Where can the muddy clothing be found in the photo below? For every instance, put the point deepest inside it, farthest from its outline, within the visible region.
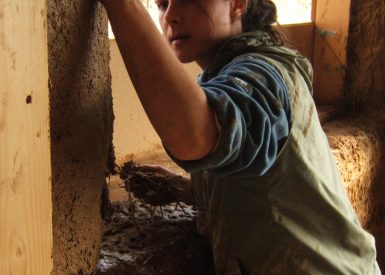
(270, 196)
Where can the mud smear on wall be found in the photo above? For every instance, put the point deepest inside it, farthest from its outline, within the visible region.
(81, 129)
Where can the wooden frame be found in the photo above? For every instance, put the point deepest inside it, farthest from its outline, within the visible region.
(25, 168)
(323, 42)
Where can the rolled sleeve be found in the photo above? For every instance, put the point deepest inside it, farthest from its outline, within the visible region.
(251, 103)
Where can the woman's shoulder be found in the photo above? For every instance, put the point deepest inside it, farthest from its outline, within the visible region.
(276, 62)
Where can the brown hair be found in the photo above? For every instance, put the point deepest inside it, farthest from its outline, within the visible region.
(261, 15)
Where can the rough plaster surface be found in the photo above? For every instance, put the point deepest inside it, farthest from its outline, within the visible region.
(365, 81)
(81, 129)
(358, 144)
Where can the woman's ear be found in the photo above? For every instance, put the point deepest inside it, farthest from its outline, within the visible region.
(238, 7)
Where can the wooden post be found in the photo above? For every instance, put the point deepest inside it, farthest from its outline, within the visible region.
(329, 60)
(25, 167)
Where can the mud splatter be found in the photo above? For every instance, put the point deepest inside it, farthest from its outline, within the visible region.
(309, 120)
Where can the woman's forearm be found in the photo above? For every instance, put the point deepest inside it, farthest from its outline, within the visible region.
(175, 104)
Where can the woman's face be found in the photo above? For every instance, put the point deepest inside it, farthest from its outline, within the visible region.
(195, 28)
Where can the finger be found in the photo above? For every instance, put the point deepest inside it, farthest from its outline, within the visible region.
(157, 168)
(150, 168)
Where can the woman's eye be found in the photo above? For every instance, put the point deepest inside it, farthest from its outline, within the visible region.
(162, 5)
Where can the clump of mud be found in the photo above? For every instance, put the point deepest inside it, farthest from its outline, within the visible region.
(153, 187)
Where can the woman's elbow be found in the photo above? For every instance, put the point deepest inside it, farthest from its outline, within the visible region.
(194, 149)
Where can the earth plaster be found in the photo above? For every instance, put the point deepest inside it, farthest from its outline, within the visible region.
(358, 144)
(365, 81)
(81, 129)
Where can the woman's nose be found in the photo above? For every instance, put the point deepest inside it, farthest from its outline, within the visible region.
(172, 14)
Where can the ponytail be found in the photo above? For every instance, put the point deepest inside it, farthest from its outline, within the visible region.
(260, 15)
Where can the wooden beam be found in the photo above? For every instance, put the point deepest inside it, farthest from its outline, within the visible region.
(25, 168)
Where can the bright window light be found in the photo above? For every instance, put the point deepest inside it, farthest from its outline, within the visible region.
(293, 11)
(289, 12)
(152, 10)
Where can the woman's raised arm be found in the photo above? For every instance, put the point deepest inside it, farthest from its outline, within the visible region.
(175, 104)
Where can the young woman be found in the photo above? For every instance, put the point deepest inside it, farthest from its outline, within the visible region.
(268, 192)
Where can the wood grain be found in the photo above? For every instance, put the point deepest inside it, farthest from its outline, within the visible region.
(300, 36)
(329, 60)
(25, 168)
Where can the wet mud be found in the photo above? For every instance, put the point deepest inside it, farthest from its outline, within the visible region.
(141, 239)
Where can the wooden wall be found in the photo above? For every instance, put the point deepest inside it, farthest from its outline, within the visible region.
(300, 37)
(25, 169)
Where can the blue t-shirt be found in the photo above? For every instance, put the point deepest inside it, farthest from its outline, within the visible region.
(252, 105)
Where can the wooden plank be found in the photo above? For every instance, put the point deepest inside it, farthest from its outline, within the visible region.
(25, 168)
(329, 60)
(301, 37)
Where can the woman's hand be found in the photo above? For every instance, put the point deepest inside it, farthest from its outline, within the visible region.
(183, 182)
